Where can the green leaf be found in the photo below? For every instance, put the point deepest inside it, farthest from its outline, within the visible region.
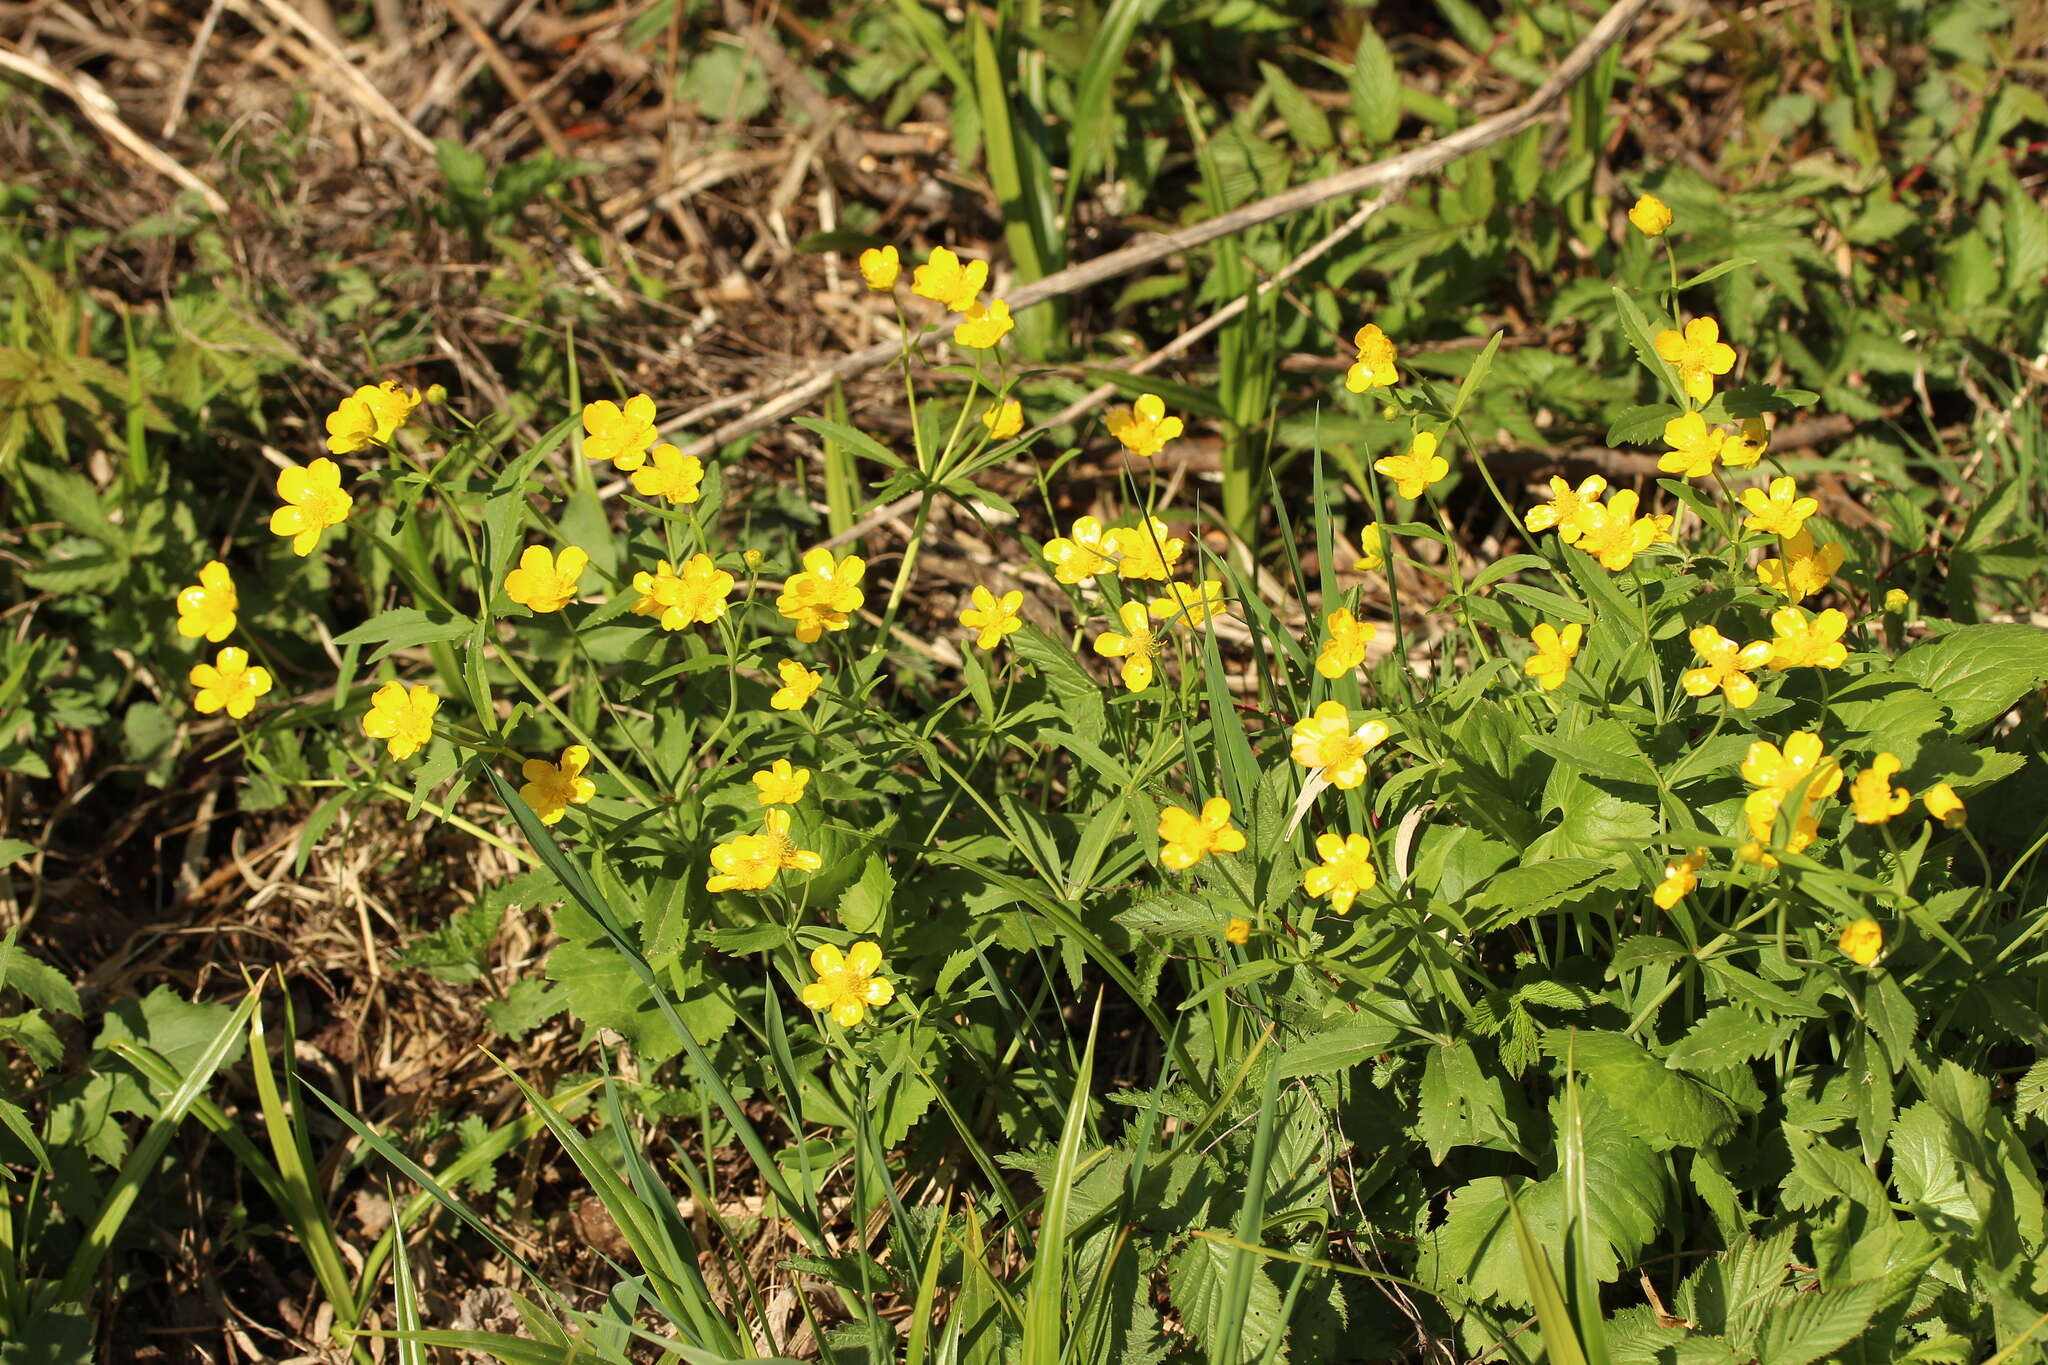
(1375, 87)
(1473, 377)
(73, 500)
(1642, 424)
(1815, 1324)
(1195, 1278)
(1979, 672)
(176, 1029)
(405, 627)
(39, 983)
(1725, 1036)
(1659, 1105)
(1534, 887)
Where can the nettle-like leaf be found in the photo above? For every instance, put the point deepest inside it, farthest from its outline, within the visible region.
(1657, 1104)
(1196, 1276)
(1978, 672)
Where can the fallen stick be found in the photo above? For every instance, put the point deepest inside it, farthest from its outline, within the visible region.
(778, 400)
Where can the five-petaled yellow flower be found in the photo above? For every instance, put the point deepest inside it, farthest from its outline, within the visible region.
(847, 985)
(1747, 446)
(1186, 838)
(621, 435)
(1781, 512)
(1807, 642)
(825, 595)
(403, 719)
(1374, 368)
(944, 279)
(551, 788)
(879, 266)
(1346, 869)
(1081, 554)
(1612, 533)
(1680, 878)
(1372, 549)
(313, 502)
(671, 475)
(749, 862)
(545, 581)
(1416, 468)
(984, 326)
(1143, 428)
(1728, 666)
(1566, 510)
(228, 684)
(1804, 571)
(1555, 650)
(1004, 419)
(371, 415)
(1344, 648)
(696, 596)
(1694, 447)
(799, 685)
(1944, 805)
(1190, 605)
(208, 607)
(1326, 744)
(1861, 941)
(1872, 794)
(1136, 645)
(780, 784)
(1776, 774)
(1698, 354)
(1143, 551)
(1651, 216)
(991, 616)
(1238, 932)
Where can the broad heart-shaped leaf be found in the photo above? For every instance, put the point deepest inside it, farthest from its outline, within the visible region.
(1657, 1104)
(1978, 672)
(1195, 1277)
(1474, 1247)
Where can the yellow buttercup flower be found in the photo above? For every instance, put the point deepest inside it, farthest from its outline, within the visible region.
(1613, 534)
(1777, 773)
(824, 596)
(1861, 941)
(944, 279)
(208, 607)
(1747, 446)
(313, 502)
(1372, 550)
(1345, 646)
(991, 616)
(1143, 428)
(1781, 512)
(983, 327)
(1143, 551)
(371, 415)
(1650, 216)
(545, 581)
(1872, 794)
(696, 596)
(1326, 744)
(799, 685)
(1694, 447)
(1944, 805)
(1346, 870)
(1374, 368)
(1698, 354)
(1416, 468)
(1004, 419)
(1680, 878)
(1186, 838)
(1238, 932)
(1804, 571)
(1136, 645)
(847, 986)
(403, 719)
(1555, 651)
(1082, 554)
(230, 683)
(1566, 510)
(749, 862)
(1189, 605)
(671, 475)
(1807, 642)
(879, 266)
(780, 784)
(621, 435)
(551, 788)
(1728, 666)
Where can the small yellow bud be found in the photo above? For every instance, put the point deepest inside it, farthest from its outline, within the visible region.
(1896, 600)
(1390, 412)
(1238, 931)
(1862, 941)
(1944, 805)
(753, 558)
(1651, 216)
(437, 394)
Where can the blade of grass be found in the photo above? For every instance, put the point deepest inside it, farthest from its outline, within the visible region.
(1045, 1297)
